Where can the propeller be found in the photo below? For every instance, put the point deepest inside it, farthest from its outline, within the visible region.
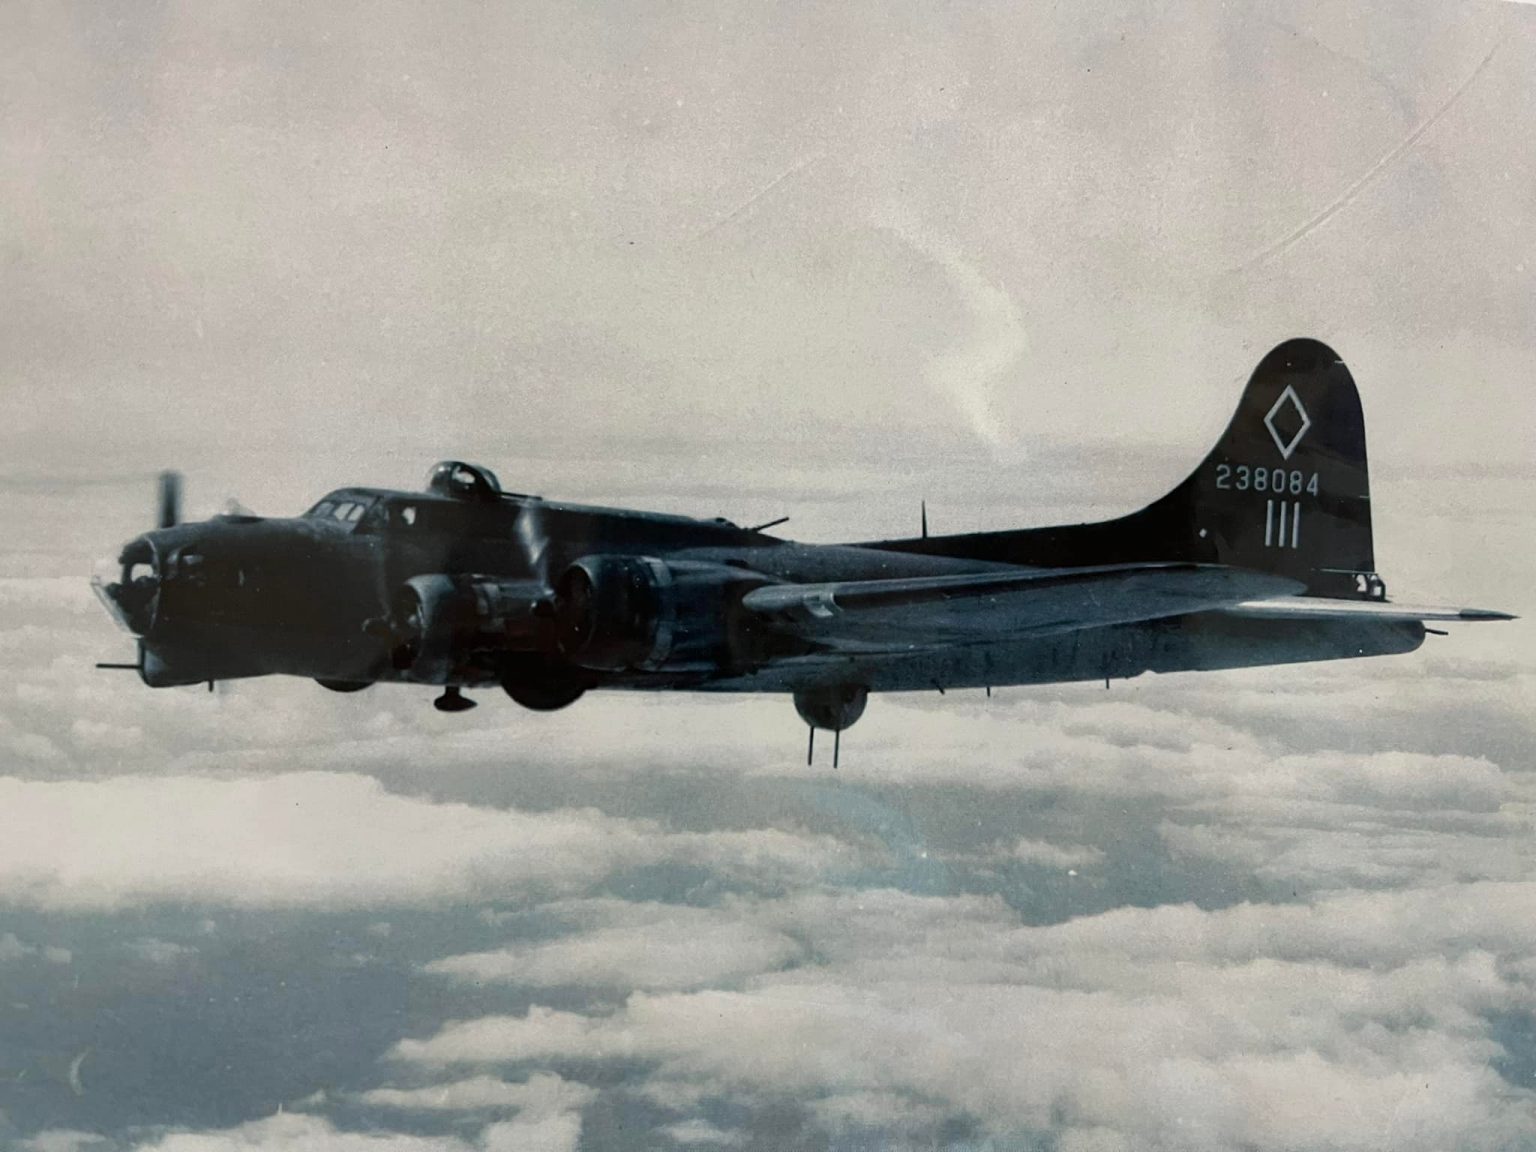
(553, 606)
(532, 535)
(169, 500)
(403, 628)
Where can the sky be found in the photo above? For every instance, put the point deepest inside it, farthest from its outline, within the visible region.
(816, 260)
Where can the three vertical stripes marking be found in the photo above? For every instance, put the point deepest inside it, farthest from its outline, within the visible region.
(1289, 509)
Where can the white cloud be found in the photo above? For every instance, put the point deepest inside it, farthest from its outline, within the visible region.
(62, 1140)
(35, 747)
(542, 1092)
(13, 949)
(1332, 848)
(673, 1095)
(974, 373)
(153, 950)
(1179, 740)
(1093, 1140)
(101, 736)
(548, 1109)
(698, 1131)
(1326, 1024)
(296, 1132)
(319, 839)
(552, 1132)
(505, 1039)
(872, 1111)
(32, 593)
(641, 946)
(1060, 857)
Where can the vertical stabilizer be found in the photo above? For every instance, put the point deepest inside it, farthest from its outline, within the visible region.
(1285, 491)
(1286, 488)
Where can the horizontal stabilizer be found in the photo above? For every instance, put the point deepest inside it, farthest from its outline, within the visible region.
(909, 613)
(1318, 608)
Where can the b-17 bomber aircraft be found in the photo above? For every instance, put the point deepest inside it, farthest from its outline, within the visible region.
(1262, 556)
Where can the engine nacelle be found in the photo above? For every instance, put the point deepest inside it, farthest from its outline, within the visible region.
(441, 623)
(623, 613)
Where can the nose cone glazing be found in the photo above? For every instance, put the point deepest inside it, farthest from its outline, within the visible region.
(129, 587)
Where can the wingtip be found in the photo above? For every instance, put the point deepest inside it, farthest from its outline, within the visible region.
(1485, 614)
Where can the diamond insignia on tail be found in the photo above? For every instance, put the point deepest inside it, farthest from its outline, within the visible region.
(1288, 445)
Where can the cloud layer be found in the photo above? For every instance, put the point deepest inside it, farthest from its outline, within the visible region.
(1334, 1024)
(329, 840)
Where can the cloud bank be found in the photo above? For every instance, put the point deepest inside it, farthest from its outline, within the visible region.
(1335, 1024)
(330, 840)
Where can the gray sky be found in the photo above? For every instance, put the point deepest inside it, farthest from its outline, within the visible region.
(536, 228)
(825, 260)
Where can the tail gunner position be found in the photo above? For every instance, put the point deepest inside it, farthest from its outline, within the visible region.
(1262, 556)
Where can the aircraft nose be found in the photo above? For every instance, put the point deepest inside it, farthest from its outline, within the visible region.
(129, 586)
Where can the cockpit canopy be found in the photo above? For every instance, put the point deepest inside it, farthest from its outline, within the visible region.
(462, 481)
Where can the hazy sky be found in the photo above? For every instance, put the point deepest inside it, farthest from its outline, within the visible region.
(825, 260)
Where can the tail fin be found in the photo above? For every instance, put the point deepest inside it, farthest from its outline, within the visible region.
(1286, 488)
(1284, 491)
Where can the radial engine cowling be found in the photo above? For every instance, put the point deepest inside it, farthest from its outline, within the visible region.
(440, 624)
(623, 613)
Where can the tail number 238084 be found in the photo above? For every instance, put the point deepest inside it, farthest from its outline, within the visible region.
(1244, 478)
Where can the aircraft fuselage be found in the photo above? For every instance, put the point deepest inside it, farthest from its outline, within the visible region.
(297, 596)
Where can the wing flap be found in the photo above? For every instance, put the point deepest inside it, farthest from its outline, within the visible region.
(908, 613)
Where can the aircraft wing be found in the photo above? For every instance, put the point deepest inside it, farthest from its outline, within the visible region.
(1320, 608)
(915, 612)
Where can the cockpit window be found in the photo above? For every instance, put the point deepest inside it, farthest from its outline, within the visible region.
(342, 507)
(379, 515)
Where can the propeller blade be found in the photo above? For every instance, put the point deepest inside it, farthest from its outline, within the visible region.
(535, 541)
(169, 500)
